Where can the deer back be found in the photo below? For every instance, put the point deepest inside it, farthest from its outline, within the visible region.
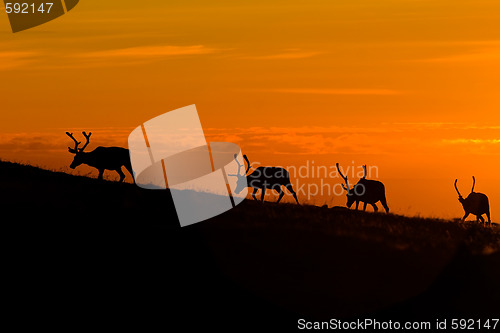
(268, 177)
(368, 190)
(476, 203)
(108, 157)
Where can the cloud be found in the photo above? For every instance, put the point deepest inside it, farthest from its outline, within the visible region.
(50, 149)
(474, 56)
(444, 126)
(58, 141)
(306, 140)
(11, 60)
(385, 138)
(285, 55)
(151, 51)
(27, 143)
(326, 91)
(473, 141)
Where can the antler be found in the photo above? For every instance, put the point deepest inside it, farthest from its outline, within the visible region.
(364, 169)
(344, 177)
(88, 140)
(456, 188)
(75, 150)
(473, 183)
(239, 166)
(248, 162)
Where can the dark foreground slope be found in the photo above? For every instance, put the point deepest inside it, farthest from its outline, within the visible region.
(83, 253)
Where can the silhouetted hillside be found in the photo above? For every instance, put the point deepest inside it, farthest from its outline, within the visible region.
(90, 251)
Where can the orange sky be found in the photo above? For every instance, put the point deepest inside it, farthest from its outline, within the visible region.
(409, 86)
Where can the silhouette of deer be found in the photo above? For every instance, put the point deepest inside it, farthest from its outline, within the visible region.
(366, 190)
(263, 178)
(101, 158)
(475, 203)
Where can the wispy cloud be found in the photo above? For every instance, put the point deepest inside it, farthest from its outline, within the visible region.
(473, 141)
(326, 91)
(386, 138)
(308, 140)
(57, 141)
(444, 126)
(285, 55)
(11, 60)
(480, 55)
(151, 51)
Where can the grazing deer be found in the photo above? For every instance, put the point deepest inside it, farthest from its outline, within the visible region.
(101, 158)
(475, 203)
(366, 190)
(263, 178)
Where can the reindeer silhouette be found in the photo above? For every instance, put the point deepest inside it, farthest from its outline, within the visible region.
(366, 190)
(263, 178)
(475, 203)
(101, 158)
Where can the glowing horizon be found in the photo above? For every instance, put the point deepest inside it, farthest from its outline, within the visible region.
(410, 87)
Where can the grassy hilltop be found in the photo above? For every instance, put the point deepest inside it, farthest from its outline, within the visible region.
(104, 250)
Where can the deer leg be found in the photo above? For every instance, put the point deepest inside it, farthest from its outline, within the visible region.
(255, 189)
(357, 204)
(101, 173)
(489, 219)
(375, 208)
(480, 219)
(384, 203)
(122, 175)
(263, 194)
(364, 206)
(290, 188)
(128, 166)
(465, 216)
(280, 192)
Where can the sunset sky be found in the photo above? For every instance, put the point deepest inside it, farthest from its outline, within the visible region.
(409, 86)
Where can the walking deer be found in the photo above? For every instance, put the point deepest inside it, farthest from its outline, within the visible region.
(475, 203)
(263, 178)
(366, 190)
(101, 158)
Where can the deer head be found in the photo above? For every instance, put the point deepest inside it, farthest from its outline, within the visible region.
(241, 182)
(78, 151)
(351, 192)
(460, 198)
